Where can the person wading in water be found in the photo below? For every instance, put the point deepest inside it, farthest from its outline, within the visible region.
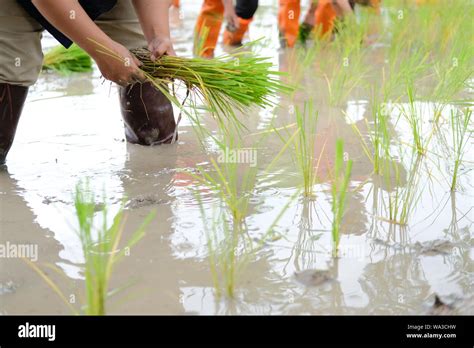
(118, 25)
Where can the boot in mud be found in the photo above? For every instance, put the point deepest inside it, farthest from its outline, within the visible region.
(147, 114)
(12, 99)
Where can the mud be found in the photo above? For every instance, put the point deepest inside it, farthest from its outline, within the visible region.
(382, 268)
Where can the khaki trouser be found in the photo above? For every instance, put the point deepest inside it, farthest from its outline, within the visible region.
(21, 55)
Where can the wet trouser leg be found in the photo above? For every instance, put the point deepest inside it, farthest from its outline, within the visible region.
(147, 114)
(20, 64)
(307, 26)
(325, 17)
(208, 27)
(12, 99)
(245, 10)
(288, 20)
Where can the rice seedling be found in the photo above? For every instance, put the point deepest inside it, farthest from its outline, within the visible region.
(410, 113)
(348, 69)
(378, 148)
(101, 252)
(233, 179)
(404, 68)
(460, 123)
(402, 197)
(102, 249)
(230, 247)
(302, 144)
(415, 121)
(67, 61)
(453, 71)
(339, 187)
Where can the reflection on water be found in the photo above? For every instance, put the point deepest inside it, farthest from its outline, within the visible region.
(71, 129)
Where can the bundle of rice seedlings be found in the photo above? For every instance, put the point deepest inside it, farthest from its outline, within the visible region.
(229, 83)
(67, 61)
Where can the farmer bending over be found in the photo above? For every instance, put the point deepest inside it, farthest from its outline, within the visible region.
(120, 25)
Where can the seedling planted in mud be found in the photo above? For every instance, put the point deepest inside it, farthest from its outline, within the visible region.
(379, 136)
(230, 247)
(340, 185)
(420, 137)
(402, 197)
(233, 183)
(302, 144)
(460, 123)
(102, 249)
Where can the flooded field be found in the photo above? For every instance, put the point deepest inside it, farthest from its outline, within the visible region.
(404, 237)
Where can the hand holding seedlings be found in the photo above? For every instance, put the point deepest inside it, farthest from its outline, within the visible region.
(159, 47)
(230, 16)
(117, 64)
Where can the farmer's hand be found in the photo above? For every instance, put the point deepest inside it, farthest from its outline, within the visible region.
(160, 47)
(119, 65)
(231, 18)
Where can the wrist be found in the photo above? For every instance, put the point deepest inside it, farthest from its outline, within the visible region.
(160, 37)
(97, 48)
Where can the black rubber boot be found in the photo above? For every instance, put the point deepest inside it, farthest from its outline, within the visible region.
(12, 99)
(147, 114)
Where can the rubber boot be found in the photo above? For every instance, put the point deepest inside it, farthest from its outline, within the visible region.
(147, 114)
(12, 99)
(288, 20)
(208, 27)
(234, 38)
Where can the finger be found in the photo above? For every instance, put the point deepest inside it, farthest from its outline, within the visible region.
(137, 61)
(171, 52)
(139, 76)
(160, 52)
(153, 54)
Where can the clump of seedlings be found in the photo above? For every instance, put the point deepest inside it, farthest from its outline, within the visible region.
(377, 151)
(453, 70)
(67, 61)
(415, 121)
(102, 248)
(402, 196)
(230, 247)
(339, 187)
(348, 67)
(303, 146)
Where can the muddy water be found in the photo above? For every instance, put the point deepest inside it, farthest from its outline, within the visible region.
(382, 268)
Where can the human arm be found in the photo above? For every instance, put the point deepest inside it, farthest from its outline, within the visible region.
(154, 19)
(69, 17)
(342, 7)
(230, 15)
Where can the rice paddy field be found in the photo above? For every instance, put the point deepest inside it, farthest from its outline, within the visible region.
(350, 193)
